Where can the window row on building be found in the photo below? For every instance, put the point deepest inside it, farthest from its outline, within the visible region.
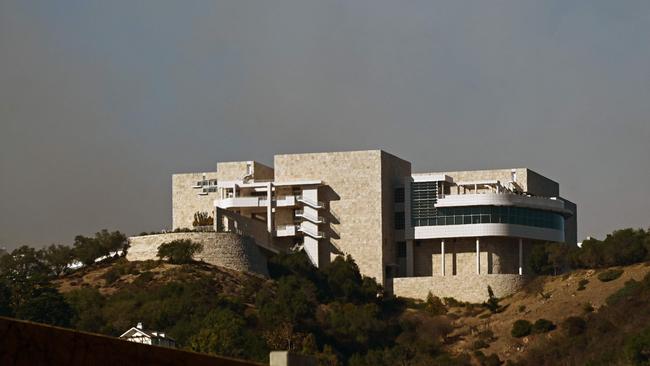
(493, 215)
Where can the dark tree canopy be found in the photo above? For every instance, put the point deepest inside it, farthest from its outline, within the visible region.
(179, 251)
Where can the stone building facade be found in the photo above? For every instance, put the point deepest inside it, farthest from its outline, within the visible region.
(411, 232)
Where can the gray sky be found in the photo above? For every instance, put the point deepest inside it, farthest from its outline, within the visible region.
(100, 102)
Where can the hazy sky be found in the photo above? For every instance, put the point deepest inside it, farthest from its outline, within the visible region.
(100, 102)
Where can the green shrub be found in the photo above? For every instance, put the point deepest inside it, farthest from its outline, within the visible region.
(111, 276)
(452, 302)
(631, 287)
(543, 326)
(486, 334)
(492, 303)
(434, 306)
(179, 251)
(574, 326)
(521, 328)
(478, 344)
(637, 348)
(610, 275)
(521, 308)
(582, 284)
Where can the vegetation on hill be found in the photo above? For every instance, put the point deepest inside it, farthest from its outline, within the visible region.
(337, 314)
(620, 248)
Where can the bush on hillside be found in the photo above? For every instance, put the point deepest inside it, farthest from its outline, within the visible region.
(434, 305)
(574, 326)
(492, 303)
(610, 275)
(179, 251)
(637, 348)
(543, 326)
(582, 284)
(521, 328)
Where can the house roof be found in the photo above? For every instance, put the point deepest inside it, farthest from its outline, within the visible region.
(137, 332)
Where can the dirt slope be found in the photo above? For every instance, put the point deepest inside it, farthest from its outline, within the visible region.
(554, 298)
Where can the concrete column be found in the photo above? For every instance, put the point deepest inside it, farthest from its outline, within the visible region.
(269, 207)
(521, 257)
(442, 257)
(478, 256)
(409, 259)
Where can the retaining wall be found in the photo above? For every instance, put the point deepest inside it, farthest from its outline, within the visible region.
(470, 288)
(227, 250)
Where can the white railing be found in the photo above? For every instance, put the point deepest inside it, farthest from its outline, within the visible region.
(314, 219)
(313, 233)
(310, 202)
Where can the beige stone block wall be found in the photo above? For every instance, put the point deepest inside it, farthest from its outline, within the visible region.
(394, 171)
(220, 249)
(527, 179)
(353, 193)
(498, 255)
(470, 288)
(186, 201)
(236, 170)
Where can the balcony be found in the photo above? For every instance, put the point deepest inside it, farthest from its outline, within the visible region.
(313, 233)
(308, 217)
(285, 230)
(310, 202)
(241, 202)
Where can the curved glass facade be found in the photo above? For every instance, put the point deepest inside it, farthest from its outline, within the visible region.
(497, 215)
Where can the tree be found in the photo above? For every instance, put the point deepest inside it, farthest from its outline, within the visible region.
(23, 272)
(87, 304)
(5, 300)
(225, 334)
(58, 257)
(179, 251)
(294, 300)
(346, 283)
(88, 249)
(46, 305)
(202, 219)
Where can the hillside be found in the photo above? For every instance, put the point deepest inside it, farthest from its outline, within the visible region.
(465, 328)
(554, 298)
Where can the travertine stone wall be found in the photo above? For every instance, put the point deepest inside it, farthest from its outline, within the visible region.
(220, 249)
(498, 255)
(353, 194)
(470, 288)
(527, 179)
(236, 170)
(393, 173)
(186, 201)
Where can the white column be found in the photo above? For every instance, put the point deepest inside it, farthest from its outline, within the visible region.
(478, 256)
(409, 258)
(521, 270)
(442, 257)
(269, 207)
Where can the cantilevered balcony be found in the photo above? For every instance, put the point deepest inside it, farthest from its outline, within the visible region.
(311, 232)
(310, 217)
(310, 202)
(242, 202)
(286, 230)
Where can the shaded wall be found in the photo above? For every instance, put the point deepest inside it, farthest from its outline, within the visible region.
(26, 343)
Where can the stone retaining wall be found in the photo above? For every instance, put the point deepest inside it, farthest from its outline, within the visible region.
(470, 288)
(227, 250)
